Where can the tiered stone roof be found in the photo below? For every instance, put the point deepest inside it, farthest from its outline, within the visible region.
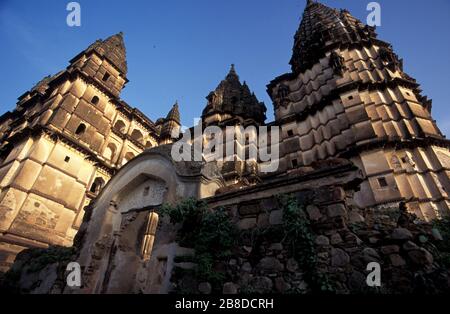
(236, 99)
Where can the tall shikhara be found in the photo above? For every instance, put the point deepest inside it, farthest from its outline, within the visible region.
(348, 96)
(63, 142)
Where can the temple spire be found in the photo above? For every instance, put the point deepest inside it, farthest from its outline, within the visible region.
(113, 48)
(174, 113)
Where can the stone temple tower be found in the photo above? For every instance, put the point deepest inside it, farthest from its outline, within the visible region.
(65, 139)
(348, 96)
(236, 111)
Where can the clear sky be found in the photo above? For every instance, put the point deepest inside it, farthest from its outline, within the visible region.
(181, 49)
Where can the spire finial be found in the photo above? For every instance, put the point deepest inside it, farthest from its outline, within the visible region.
(232, 70)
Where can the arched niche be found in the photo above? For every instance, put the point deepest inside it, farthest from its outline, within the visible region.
(137, 136)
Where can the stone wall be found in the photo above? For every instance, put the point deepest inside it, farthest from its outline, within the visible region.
(342, 242)
(299, 234)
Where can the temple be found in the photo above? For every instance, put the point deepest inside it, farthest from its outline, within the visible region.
(357, 137)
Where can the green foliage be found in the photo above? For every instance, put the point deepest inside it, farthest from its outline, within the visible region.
(211, 233)
(443, 225)
(55, 254)
(299, 239)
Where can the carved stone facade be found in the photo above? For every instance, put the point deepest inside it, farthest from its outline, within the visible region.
(61, 145)
(347, 96)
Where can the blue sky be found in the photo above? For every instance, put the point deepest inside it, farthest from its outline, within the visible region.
(181, 49)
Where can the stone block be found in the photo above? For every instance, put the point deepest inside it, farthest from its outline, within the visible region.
(205, 288)
(397, 260)
(247, 223)
(339, 258)
(249, 209)
(336, 210)
(313, 212)
(270, 264)
(230, 288)
(401, 234)
(276, 217)
(261, 285)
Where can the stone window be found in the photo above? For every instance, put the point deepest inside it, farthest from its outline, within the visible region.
(110, 151)
(67, 159)
(294, 163)
(129, 156)
(106, 77)
(383, 182)
(120, 126)
(95, 100)
(97, 185)
(290, 133)
(81, 129)
(137, 136)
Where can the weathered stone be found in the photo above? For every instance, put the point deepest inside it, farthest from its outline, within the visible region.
(232, 262)
(339, 258)
(357, 282)
(247, 267)
(335, 239)
(410, 246)
(269, 204)
(322, 240)
(421, 257)
(280, 285)
(314, 212)
(390, 249)
(336, 210)
(270, 264)
(247, 223)
(396, 260)
(292, 265)
(276, 247)
(355, 217)
(185, 266)
(370, 255)
(263, 220)
(261, 284)
(401, 234)
(276, 217)
(205, 288)
(249, 209)
(230, 288)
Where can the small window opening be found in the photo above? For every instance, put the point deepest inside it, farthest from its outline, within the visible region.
(81, 129)
(290, 133)
(106, 77)
(95, 100)
(295, 163)
(67, 159)
(382, 182)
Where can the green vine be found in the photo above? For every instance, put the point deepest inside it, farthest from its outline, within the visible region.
(299, 239)
(443, 225)
(210, 233)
